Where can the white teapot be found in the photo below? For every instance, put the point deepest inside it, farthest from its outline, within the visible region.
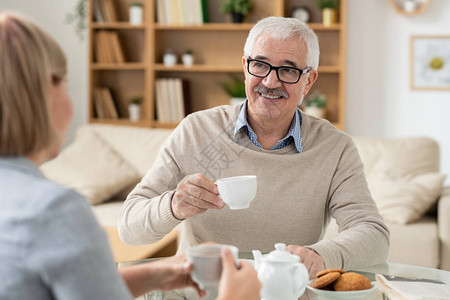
(281, 273)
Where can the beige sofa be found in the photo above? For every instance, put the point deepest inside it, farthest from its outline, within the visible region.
(104, 162)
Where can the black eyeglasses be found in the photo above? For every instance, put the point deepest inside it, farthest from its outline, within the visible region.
(261, 69)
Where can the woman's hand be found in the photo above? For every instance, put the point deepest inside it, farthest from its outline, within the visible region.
(237, 284)
(164, 274)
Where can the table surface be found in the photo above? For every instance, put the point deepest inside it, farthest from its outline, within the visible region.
(389, 268)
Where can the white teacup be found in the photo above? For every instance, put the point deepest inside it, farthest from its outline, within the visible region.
(237, 191)
(208, 264)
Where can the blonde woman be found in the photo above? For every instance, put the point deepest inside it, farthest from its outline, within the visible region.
(51, 246)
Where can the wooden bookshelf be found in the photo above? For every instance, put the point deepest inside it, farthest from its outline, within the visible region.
(217, 47)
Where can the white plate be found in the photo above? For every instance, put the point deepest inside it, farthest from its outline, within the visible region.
(340, 295)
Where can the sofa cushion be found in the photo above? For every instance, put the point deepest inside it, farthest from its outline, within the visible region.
(402, 174)
(402, 197)
(92, 167)
(416, 243)
(414, 155)
(421, 237)
(139, 147)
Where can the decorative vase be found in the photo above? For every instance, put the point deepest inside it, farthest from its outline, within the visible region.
(188, 59)
(136, 14)
(169, 59)
(134, 112)
(409, 5)
(237, 17)
(329, 16)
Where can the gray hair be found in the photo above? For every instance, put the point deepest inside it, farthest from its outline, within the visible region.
(282, 29)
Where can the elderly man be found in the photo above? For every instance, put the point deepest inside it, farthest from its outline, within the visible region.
(308, 171)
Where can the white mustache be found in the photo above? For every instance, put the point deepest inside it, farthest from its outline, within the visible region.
(266, 90)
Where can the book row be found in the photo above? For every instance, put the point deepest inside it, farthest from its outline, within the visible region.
(108, 48)
(105, 106)
(105, 11)
(172, 99)
(181, 12)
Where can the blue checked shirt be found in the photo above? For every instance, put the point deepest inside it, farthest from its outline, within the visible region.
(293, 134)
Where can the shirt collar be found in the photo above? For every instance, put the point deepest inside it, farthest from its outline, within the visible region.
(22, 163)
(294, 129)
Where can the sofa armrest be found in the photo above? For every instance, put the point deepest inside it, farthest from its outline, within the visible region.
(444, 227)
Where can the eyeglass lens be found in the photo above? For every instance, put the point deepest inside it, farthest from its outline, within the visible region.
(262, 69)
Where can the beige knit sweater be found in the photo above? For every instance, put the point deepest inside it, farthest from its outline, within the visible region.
(297, 192)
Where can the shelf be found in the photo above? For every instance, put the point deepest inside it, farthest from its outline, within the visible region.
(217, 47)
(123, 122)
(165, 125)
(208, 26)
(116, 66)
(116, 25)
(222, 68)
(199, 68)
(234, 27)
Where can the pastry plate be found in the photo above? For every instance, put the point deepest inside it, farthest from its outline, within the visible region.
(340, 295)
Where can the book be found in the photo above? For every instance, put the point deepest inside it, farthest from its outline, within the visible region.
(160, 12)
(164, 99)
(99, 104)
(98, 51)
(403, 288)
(205, 16)
(186, 98)
(109, 103)
(105, 46)
(171, 103)
(197, 10)
(98, 13)
(179, 103)
(160, 99)
(110, 9)
(116, 47)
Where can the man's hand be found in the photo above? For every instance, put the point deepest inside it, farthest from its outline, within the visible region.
(312, 261)
(194, 195)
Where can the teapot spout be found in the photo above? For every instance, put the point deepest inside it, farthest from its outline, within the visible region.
(257, 255)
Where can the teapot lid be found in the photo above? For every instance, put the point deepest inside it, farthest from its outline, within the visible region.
(280, 254)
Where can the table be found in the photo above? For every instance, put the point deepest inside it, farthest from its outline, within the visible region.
(167, 246)
(389, 268)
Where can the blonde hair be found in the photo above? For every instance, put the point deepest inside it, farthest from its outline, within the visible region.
(30, 60)
(282, 29)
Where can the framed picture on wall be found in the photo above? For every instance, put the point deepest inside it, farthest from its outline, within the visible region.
(430, 62)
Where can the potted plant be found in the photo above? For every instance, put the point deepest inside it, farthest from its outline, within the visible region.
(188, 58)
(78, 17)
(235, 88)
(136, 13)
(329, 10)
(134, 108)
(237, 8)
(315, 104)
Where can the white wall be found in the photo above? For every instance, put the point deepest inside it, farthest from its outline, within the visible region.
(379, 99)
(50, 15)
